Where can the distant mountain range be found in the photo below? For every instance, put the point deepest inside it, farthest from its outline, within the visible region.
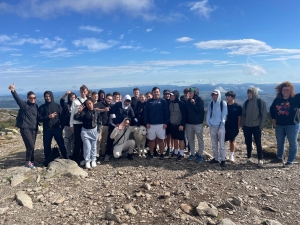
(266, 92)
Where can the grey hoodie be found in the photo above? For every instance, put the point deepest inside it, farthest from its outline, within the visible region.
(250, 118)
(218, 117)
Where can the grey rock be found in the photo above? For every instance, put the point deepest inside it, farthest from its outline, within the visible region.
(227, 204)
(186, 208)
(3, 210)
(111, 216)
(203, 209)
(226, 222)
(272, 222)
(65, 166)
(237, 201)
(24, 200)
(253, 210)
(17, 179)
(59, 201)
(130, 209)
(147, 186)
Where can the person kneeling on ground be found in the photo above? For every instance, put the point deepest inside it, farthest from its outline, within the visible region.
(122, 143)
(91, 119)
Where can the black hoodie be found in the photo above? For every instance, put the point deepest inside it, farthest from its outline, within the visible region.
(66, 107)
(177, 110)
(99, 94)
(28, 114)
(139, 111)
(195, 111)
(48, 108)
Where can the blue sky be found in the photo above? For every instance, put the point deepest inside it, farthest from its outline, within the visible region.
(62, 44)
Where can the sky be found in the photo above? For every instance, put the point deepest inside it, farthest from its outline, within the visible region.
(62, 44)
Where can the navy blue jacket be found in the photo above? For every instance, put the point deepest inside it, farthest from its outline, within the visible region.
(156, 112)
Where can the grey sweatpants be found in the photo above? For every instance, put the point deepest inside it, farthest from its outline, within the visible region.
(192, 130)
(217, 136)
(89, 138)
(69, 140)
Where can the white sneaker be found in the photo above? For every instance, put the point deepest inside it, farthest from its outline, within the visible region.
(94, 164)
(88, 165)
(260, 163)
(82, 163)
(98, 162)
(231, 158)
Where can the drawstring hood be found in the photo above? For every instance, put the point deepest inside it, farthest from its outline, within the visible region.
(51, 95)
(126, 97)
(254, 92)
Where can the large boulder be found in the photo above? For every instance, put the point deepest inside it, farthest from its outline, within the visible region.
(65, 166)
(14, 131)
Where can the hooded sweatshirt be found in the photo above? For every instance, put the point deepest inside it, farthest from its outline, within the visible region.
(28, 114)
(48, 108)
(251, 118)
(66, 107)
(117, 134)
(99, 94)
(195, 111)
(156, 112)
(218, 116)
(119, 112)
(177, 110)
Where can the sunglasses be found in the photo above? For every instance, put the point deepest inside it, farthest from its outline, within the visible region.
(32, 98)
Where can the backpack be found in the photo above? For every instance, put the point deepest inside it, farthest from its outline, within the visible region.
(211, 107)
(258, 106)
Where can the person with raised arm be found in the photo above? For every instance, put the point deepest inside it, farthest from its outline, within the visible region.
(27, 121)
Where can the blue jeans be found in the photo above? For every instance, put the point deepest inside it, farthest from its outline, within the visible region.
(291, 133)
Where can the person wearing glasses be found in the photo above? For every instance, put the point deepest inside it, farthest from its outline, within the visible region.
(104, 108)
(27, 121)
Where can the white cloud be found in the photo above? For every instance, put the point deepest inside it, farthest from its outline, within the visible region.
(202, 8)
(14, 40)
(94, 44)
(90, 28)
(183, 62)
(254, 70)
(284, 58)
(149, 30)
(126, 47)
(244, 47)
(58, 52)
(16, 55)
(8, 49)
(184, 39)
(45, 9)
(37, 30)
(164, 53)
(121, 36)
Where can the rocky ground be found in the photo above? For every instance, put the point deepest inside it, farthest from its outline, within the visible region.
(147, 192)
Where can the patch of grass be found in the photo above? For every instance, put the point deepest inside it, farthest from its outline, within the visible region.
(10, 123)
(45, 185)
(219, 217)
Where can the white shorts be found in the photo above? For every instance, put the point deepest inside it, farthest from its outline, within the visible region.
(156, 130)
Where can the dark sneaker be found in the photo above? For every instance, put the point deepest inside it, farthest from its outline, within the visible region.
(180, 157)
(223, 164)
(173, 155)
(213, 161)
(129, 157)
(277, 160)
(168, 152)
(149, 156)
(162, 157)
(199, 159)
(191, 157)
(288, 164)
(155, 153)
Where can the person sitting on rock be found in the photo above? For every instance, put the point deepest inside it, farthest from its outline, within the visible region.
(122, 143)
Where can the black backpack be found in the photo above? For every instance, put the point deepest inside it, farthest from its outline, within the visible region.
(211, 107)
(258, 106)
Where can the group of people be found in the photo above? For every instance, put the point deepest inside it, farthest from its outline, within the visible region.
(98, 123)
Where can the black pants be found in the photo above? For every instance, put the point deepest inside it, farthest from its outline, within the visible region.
(47, 139)
(77, 155)
(29, 137)
(256, 132)
(110, 142)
